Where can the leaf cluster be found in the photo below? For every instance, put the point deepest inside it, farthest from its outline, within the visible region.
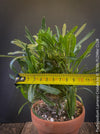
(51, 53)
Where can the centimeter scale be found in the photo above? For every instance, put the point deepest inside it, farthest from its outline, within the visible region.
(59, 79)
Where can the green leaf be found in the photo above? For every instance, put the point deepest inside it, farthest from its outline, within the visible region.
(30, 93)
(87, 89)
(58, 31)
(71, 58)
(31, 46)
(65, 44)
(80, 30)
(73, 43)
(23, 65)
(7, 56)
(28, 53)
(29, 36)
(81, 68)
(35, 36)
(84, 55)
(19, 111)
(72, 100)
(34, 61)
(16, 52)
(78, 45)
(48, 40)
(30, 67)
(28, 60)
(46, 100)
(73, 29)
(24, 93)
(93, 70)
(12, 76)
(69, 44)
(49, 89)
(19, 43)
(42, 70)
(79, 99)
(12, 61)
(43, 24)
(88, 50)
(64, 30)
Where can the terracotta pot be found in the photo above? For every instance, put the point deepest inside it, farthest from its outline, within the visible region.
(66, 127)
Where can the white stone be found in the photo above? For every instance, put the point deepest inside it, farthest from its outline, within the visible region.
(51, 119)
(64, 117)
(72, 117)
(45, 116)
(42, 115)
(53, 112)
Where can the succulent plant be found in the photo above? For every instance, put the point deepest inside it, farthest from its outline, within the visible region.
(51, 53)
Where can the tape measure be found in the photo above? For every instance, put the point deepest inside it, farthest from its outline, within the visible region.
(59, 79)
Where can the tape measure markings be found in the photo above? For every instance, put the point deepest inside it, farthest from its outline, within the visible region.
(58, 79)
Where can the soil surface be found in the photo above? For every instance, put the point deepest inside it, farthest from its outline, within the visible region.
(51, 113)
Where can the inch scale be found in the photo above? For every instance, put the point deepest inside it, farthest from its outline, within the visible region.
(59, 79)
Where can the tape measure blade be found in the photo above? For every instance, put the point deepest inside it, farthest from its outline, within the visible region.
(59, 79)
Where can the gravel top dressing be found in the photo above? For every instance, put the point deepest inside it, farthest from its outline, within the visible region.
(53, 114)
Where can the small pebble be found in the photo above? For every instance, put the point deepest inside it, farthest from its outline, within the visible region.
(56, 116)
(45, 116)
(59, 113)
(64, 117)
(51, 119)
(53, 112)
(61, 119)
(72, 117)
(63, 112)
(62, 105)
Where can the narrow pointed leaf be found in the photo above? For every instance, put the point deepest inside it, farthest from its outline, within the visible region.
(43, 24)
(46, 100)
(78, 45)
(16, 52)
(49, 89)
(58, 32)
(64, 30)
(12, 61)
(88, 50)
(19, 43)
(12, 76)
(87, 89)
(84, 55)
(80, 30)
(29, 36)
(8, 56)
(79, 99)
(31, 93)
(93, 70)
(22, 107)
(73, 29)
(24, 93)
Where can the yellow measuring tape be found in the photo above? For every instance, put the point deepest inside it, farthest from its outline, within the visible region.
(59, 79)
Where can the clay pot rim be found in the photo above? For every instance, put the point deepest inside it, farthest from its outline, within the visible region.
(56, 122)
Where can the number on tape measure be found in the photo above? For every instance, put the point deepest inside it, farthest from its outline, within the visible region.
(58, 79)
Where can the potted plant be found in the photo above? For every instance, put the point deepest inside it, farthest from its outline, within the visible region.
(55, 108)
